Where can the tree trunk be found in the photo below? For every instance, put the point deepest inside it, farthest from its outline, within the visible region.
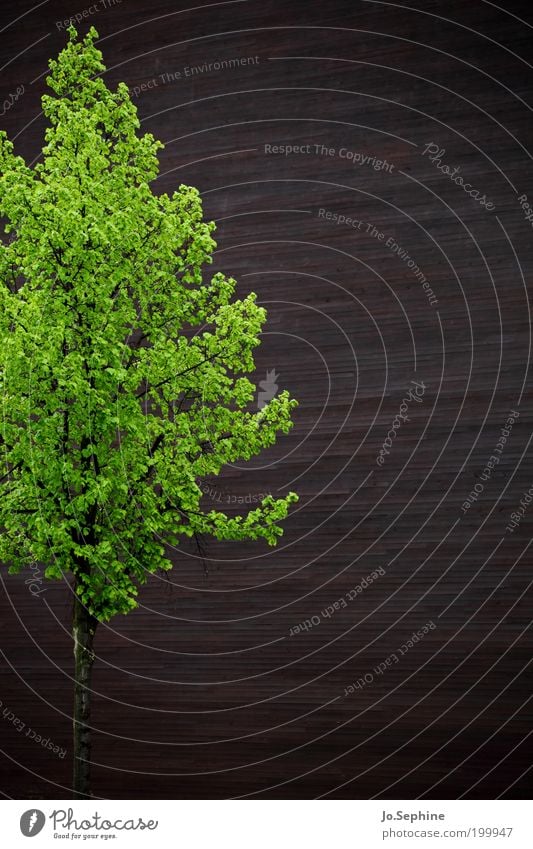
(83, 629)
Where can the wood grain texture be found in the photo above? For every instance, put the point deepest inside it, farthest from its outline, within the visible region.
(203, 692)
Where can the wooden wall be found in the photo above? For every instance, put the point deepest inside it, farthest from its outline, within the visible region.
(204, 691)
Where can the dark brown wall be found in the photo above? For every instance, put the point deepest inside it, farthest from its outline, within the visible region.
(202, 692)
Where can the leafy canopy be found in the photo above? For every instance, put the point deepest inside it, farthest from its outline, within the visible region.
(122, 371)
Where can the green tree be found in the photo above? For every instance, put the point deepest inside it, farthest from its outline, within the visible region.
(122, 370)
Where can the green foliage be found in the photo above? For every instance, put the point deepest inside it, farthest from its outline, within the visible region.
(121, 370)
